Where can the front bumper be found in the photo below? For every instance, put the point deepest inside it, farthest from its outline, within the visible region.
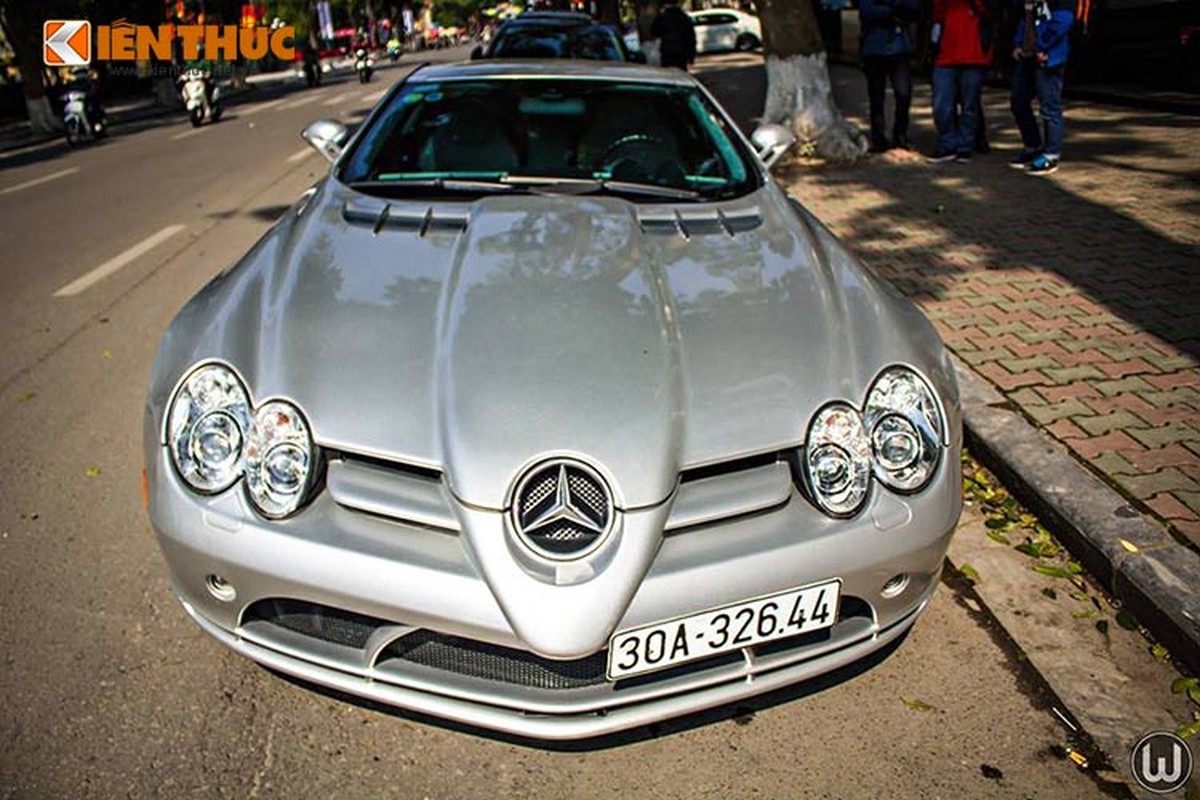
(370, 583)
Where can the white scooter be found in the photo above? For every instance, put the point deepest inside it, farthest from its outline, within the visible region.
(362, 64)
(76, 123)
(195, 98)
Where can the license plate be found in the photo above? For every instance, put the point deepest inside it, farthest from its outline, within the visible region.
(721, 630)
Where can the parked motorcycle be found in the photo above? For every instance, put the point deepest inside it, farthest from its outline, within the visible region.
(363, 64)
(196, 98)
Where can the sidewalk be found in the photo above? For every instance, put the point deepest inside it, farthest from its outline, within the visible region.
(1076, 297)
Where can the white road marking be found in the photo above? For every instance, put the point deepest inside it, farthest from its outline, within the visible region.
(300, 155)
(341, 98)
(192, 132)
(373, 97)
(39, 181)
(261, 107)
(303, 101)
(117, 262)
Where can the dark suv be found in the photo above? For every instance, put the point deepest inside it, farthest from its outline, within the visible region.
(548, 34)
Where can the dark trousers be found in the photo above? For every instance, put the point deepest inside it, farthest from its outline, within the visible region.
(1029, 81)
(880, 70)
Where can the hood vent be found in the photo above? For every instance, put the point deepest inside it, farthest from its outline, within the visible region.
(702, 223)
(408, 218)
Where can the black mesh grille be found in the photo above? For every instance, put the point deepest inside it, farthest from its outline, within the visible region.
(328, 624)
(494, 663)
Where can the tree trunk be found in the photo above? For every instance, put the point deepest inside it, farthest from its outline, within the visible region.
(799, 93)
(24, 29)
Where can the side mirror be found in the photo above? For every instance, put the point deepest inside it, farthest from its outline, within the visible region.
(327, 136)
(477, 52)
(771, 142)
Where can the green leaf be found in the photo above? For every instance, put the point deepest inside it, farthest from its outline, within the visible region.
(1181, 685)
(1074, 568)
(25, 397)
(970, 573)
(1189, 730)
(1079, 596)
(1127, 621)
(997, 536)
(1049, 592)
(1091, 613)
(1194, 694)
(1053, 572)
(916, 705)
(1102, 626)
(92, 471)
(1159, 652)
(996, 523)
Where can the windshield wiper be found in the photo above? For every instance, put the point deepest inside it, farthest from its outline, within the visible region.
(458, 185)
(593, 185)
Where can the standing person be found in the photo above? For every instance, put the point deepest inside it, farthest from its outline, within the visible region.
(964, 32)
(676, 34)
(1041, 59)
(886, 51)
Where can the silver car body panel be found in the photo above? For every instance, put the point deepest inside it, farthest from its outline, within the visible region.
(440, 349)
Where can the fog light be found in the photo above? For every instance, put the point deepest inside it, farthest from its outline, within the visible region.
(894, 586)
(220, 588)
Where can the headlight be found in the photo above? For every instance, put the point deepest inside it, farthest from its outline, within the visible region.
(278, 460)
(837, 460)
(905, 426)
(206, 429)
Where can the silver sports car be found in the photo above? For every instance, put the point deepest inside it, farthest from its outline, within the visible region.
(548, 411)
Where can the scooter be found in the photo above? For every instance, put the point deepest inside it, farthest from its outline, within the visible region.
(362, 64)
(195, 98)
(76, 122)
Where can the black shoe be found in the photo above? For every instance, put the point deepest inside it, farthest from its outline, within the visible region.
(1023, 159)
(941, 156)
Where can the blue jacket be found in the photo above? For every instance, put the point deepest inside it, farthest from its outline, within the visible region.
(1053, 20)
(884, 27)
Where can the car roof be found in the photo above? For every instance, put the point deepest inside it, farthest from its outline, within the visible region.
(565, 16)
(555, 68)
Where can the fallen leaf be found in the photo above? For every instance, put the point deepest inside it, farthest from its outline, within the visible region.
(1053, 572)
(997, 536)
(92, 471)
(1181, 685)
(1102, 626)
(1091, 613)
(1159, 652)
(107, 353)
(1189, 730)
(1130, 546)
(970, 573)
(1049, 592)
(916, 705)
(25, 397)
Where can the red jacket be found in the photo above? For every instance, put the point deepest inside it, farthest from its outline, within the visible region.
(967, 33)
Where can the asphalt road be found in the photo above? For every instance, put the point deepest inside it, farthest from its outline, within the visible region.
(107, 690)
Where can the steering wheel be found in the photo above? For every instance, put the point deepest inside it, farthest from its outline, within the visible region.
(641, 157)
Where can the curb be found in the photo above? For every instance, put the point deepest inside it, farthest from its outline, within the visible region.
(1135, 560)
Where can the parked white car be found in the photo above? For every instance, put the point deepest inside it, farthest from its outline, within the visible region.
(726, 29)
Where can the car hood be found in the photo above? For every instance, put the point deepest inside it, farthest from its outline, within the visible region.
(479, 338)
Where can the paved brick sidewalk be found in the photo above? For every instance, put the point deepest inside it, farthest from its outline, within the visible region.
(1077, 294)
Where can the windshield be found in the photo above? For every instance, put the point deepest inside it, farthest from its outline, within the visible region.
(571, 135)
(531, 40)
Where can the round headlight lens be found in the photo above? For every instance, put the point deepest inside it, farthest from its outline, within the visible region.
(279, 458)
(837, 460)
(206, 428)
(905, 422)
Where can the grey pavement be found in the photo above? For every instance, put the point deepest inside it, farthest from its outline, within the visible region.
(1074, 299)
